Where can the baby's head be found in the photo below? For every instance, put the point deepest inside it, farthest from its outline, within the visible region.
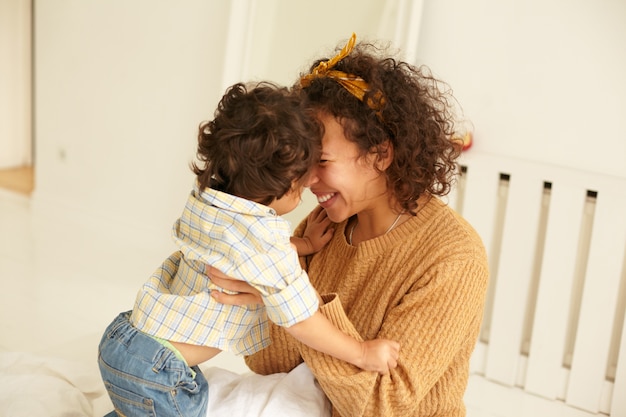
(260, 145)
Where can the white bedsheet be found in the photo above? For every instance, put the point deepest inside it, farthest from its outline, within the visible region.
(280, 395)
(38, 386)
(34, 386)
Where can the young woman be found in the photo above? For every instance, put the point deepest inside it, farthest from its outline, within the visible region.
(401, 264)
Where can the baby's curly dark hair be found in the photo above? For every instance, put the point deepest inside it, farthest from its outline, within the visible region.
(259, 143)
(416, 116)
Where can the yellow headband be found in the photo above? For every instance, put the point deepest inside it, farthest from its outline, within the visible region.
(354, 84)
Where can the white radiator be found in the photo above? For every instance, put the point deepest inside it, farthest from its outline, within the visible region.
(553, 340)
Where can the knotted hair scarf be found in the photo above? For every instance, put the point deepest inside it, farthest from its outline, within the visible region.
(354, 84)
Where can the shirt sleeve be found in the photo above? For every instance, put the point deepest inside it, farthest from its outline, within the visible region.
(287, 293)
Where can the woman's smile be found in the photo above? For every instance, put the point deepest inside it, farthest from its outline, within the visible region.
(324, 198)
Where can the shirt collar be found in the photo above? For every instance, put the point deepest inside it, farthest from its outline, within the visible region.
(230, 202)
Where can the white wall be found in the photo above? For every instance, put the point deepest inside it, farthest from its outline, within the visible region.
(120, 90)
(541, 80)
(15, 83)
(121, 86)
(302, 33)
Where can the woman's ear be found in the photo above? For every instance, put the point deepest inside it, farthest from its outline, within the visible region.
(384, 155)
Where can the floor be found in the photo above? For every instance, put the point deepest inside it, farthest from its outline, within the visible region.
(61, 285)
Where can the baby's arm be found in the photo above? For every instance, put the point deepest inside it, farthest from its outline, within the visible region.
(318, 332)
(316, 234)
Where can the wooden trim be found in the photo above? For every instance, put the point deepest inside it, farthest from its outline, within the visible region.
(20, 179)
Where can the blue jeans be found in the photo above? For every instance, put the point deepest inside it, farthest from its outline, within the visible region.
(144, 378)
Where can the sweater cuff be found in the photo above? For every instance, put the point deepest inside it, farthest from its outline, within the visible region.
(327, 298)
(334, 312)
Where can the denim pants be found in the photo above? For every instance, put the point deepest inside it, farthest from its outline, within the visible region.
(144, 378)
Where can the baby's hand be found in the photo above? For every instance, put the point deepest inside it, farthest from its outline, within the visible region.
(318, 231)
(379, 355)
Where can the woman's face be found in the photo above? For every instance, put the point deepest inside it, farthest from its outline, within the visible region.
(343, 182)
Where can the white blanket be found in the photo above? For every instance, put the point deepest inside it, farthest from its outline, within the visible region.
(34, 386)
(279, 395)
(38, 386)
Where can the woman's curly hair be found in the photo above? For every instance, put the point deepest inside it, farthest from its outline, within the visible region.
(416, 116)
(259, 143)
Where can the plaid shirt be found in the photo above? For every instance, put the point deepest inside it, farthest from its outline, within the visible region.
(244, 240)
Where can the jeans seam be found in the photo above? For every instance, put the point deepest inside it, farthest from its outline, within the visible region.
(134, 378)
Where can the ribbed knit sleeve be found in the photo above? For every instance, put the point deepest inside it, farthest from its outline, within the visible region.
(422, 285)
(436, 328)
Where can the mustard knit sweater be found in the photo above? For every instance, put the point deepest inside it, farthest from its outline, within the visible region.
(423, 285)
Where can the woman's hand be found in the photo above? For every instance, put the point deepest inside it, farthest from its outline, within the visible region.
(246, 293)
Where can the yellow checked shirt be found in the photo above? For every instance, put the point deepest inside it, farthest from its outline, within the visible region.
(243, 239)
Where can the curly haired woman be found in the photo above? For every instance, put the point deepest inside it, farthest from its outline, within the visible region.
(401, 264)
